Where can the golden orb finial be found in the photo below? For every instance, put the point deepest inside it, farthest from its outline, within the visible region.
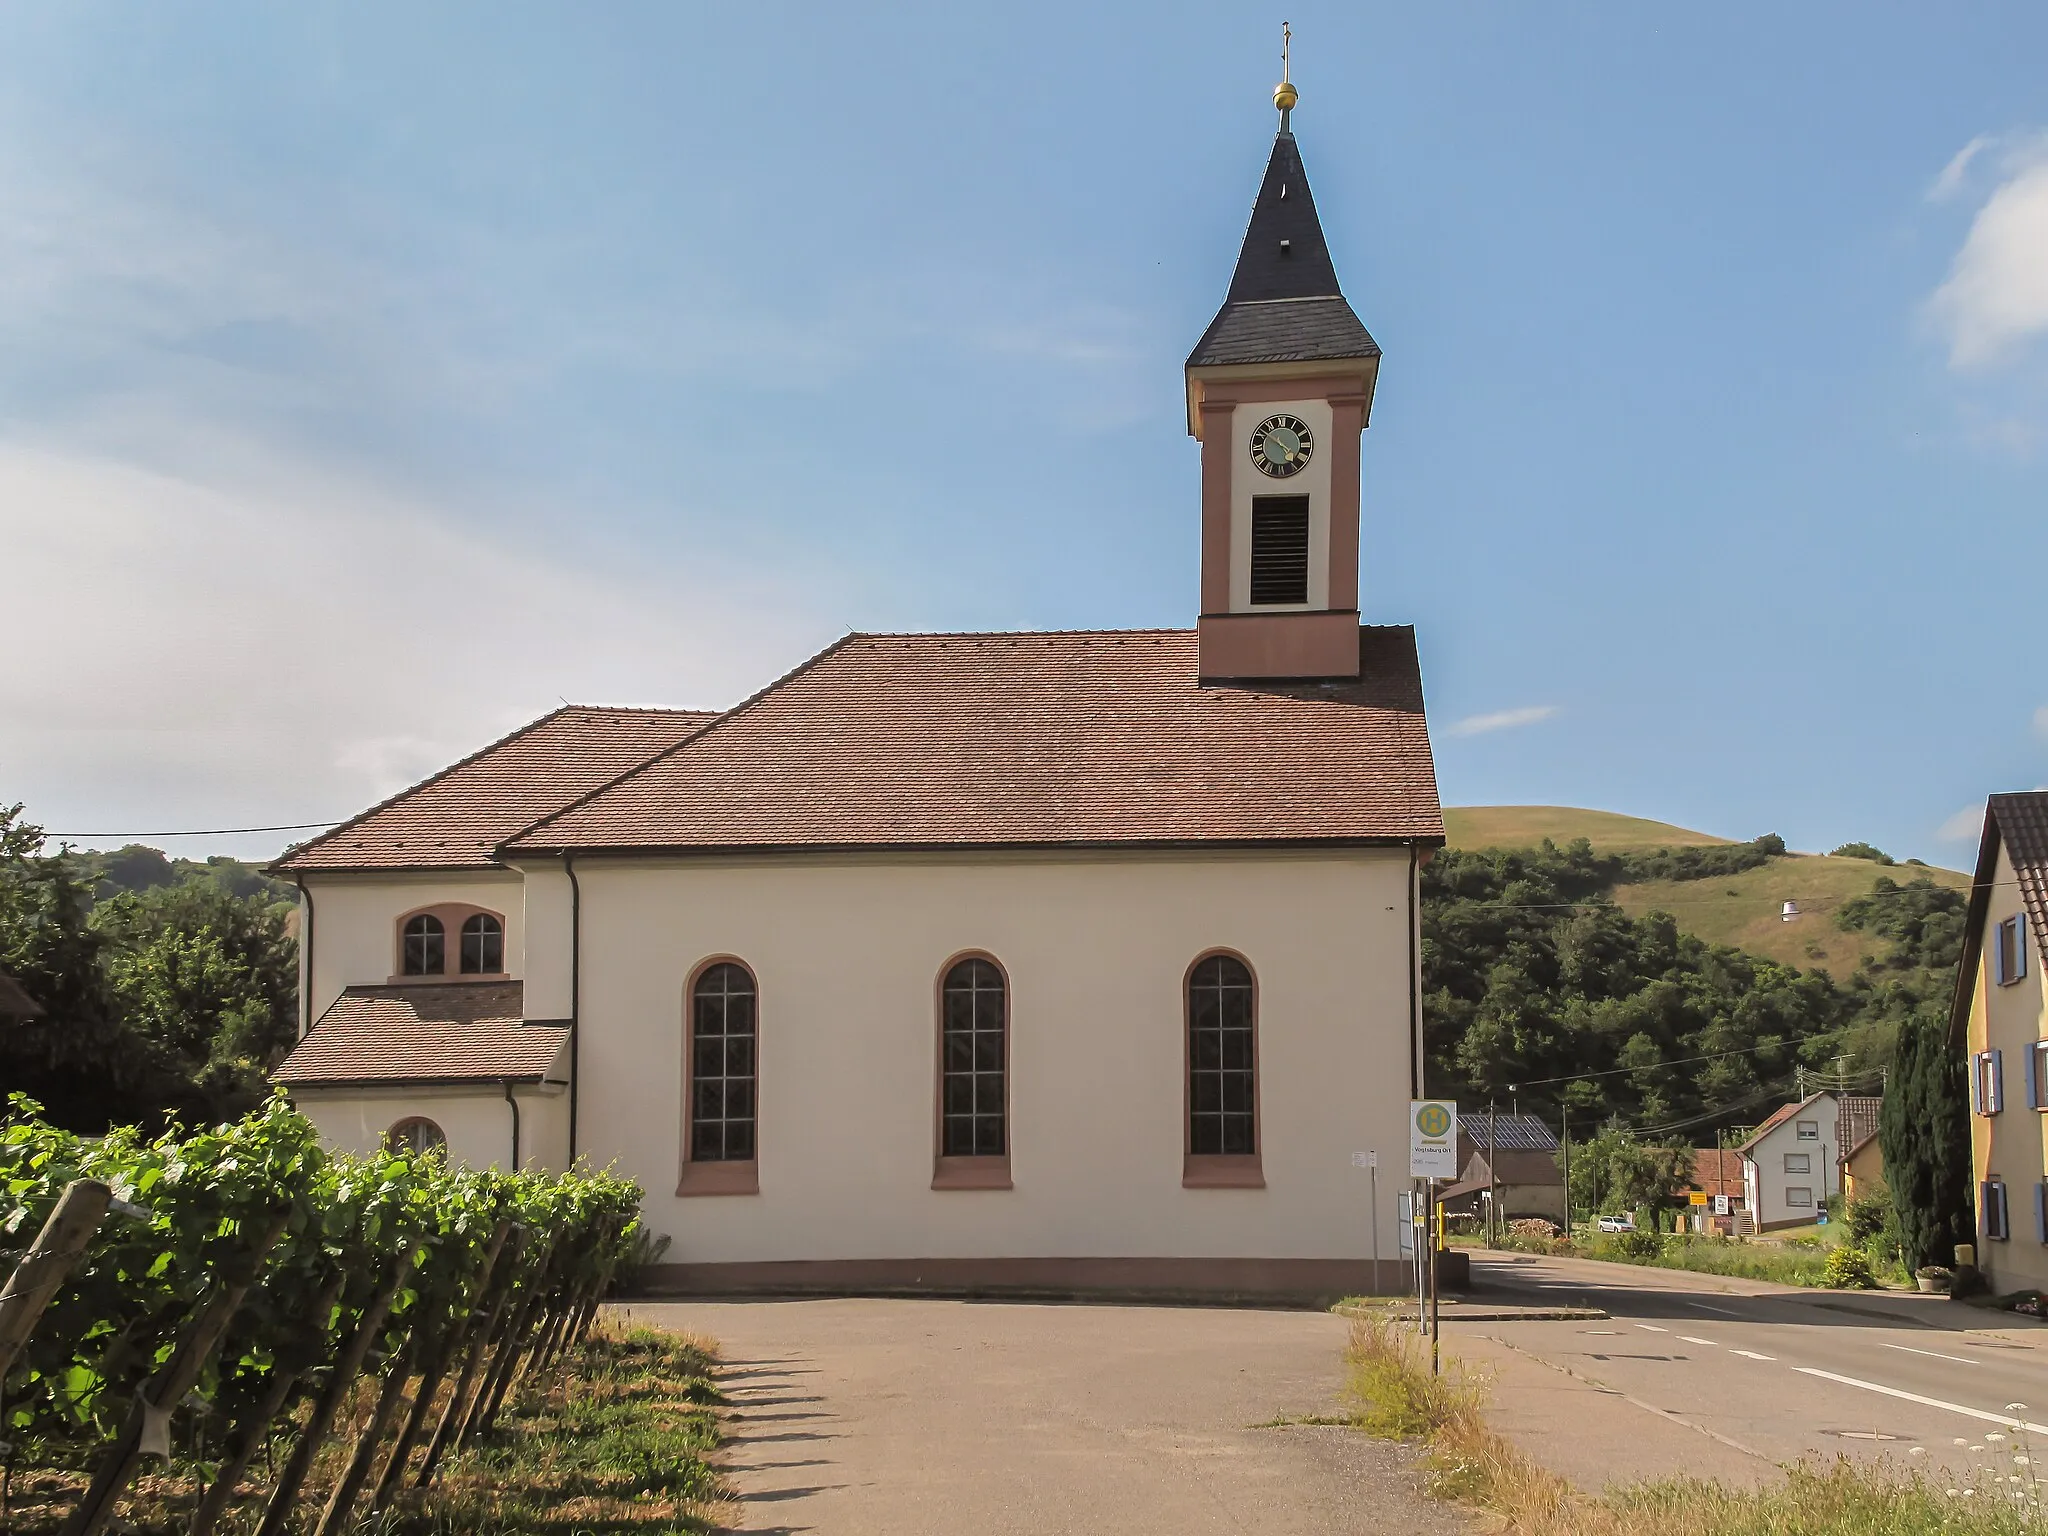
(1284, 94)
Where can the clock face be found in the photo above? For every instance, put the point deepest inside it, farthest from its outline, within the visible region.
(1282, 446)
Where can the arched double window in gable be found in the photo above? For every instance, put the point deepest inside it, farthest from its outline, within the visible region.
(426, 937)
(425, 945)
(1222, 1058)
(415, 1136)
(974, 1070)
(483, 945)
(721, 1068)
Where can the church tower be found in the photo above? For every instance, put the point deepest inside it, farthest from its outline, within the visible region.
(1279, 393)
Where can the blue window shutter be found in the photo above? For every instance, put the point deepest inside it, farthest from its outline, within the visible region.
(2041, 1212)
(2004, 1215)
(2019, 945)
(1976, 1083)
(1997, 1084)
(2033, 1078)
(1984, 1207)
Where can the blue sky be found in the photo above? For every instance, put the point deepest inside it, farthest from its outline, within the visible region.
(372, 376)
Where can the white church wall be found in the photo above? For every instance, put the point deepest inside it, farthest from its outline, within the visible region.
(546, 925)
(355, 924)
(476, 1121)
(847, 954)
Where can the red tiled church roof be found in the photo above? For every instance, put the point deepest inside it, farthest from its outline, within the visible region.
(1089, 738)
(456, 819)
(446, 1032)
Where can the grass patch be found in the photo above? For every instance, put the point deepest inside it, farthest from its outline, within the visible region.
(1783, 1263)
(616, 1442)
(1388, 1378)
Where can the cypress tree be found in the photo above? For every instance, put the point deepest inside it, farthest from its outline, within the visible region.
(1924, 1131)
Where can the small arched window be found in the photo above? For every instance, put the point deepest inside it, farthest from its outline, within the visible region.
(415, 1136)
(974, 1062)
(426, 943)
(1222, 1093)
(483, 945)
(722, 1040)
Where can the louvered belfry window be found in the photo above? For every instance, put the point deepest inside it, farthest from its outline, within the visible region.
(972, 1103)
(1220, 1086)
(1279, 550)
(722, 1066)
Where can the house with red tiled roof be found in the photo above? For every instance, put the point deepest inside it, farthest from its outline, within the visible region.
(1999, 1020)
(993, 962)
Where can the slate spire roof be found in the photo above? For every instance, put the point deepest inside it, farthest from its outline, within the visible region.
(1284, 303)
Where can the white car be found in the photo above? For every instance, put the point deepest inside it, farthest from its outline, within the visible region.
(1617, 1224)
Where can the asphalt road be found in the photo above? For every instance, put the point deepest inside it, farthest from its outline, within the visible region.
(1781, 1373)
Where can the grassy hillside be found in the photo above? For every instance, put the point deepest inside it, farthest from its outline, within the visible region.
(1525, 826)
(1743, 909)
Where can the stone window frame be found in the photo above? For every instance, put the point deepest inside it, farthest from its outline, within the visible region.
(716, 1176)
(1219, 1170)
(980, 1170)
(451, 915)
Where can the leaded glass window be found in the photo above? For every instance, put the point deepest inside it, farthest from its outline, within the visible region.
(972, 1101)
(483, 945)
(425, 946)
(722, 1065)
(1220, 1087)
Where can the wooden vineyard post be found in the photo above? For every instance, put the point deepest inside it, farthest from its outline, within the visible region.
(454, 1412)
(164, 1391)
(347, 1366)
(437, 1370)
(485, 1412)
(249, 1432)
(349, 1486)
(61, 1243)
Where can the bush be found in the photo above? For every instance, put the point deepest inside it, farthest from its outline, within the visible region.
(1849, 1269)
(1630, 1247)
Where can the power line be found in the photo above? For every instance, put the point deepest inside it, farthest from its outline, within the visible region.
(297, 826)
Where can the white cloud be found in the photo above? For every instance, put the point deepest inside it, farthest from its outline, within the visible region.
(1502, 720)
(1964, 826)
(291, 646)
(1996, 292)
(1950, 181)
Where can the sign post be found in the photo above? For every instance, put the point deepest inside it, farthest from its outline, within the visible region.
(1433, 1155)
(1371, 1162)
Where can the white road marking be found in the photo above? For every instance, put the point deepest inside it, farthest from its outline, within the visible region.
(1705, 1308)
(1689, 1339)
(1929, 1353)
(1925, 1402)
(1652, 1328)
(1750, 1354)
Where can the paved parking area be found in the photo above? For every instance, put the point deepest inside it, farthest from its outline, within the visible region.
(933, 1418)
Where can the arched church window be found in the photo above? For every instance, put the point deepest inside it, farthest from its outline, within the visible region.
(722, 1065)
(415, 1136)
(483, 945)
(1222, 1096)
(974, 1061)
(425, 945)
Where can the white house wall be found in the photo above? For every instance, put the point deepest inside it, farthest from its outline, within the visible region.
(2010, 1144)
(1767, 1199)
(847, 954)
(355, 925)
(476, 1121)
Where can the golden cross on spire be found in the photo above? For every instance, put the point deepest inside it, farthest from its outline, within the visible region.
(1284, 94)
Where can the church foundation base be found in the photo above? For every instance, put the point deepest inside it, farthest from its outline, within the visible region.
(1267, 1282)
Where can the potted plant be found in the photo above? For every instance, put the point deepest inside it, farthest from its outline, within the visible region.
(1932, 1278)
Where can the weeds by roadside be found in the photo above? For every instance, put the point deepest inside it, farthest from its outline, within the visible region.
(1394, 1395)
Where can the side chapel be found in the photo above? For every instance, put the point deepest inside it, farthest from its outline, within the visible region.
(1005, 963)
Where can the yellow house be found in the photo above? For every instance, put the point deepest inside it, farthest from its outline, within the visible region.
(2001, 1018)
(1863, 1169)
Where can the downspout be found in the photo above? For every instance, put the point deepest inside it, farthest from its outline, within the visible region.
(575, 994)
(509, 1099)
(305, 962)
(1414, 974)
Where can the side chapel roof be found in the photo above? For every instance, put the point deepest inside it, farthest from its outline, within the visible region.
(456, 818)
(437, 1032)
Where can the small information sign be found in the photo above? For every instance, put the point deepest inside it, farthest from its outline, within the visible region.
(1432, 1139)
(1365, 1159)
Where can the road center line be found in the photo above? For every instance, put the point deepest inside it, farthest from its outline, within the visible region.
(1750, 1354)
(1652, 1328)
(1705, 1308)
(1925, 1402)
(1929, 1353)
(1687, 1338)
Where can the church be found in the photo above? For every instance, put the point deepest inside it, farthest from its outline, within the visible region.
(1016, 963)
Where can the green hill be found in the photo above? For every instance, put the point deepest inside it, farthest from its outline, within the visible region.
(1744, 909)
